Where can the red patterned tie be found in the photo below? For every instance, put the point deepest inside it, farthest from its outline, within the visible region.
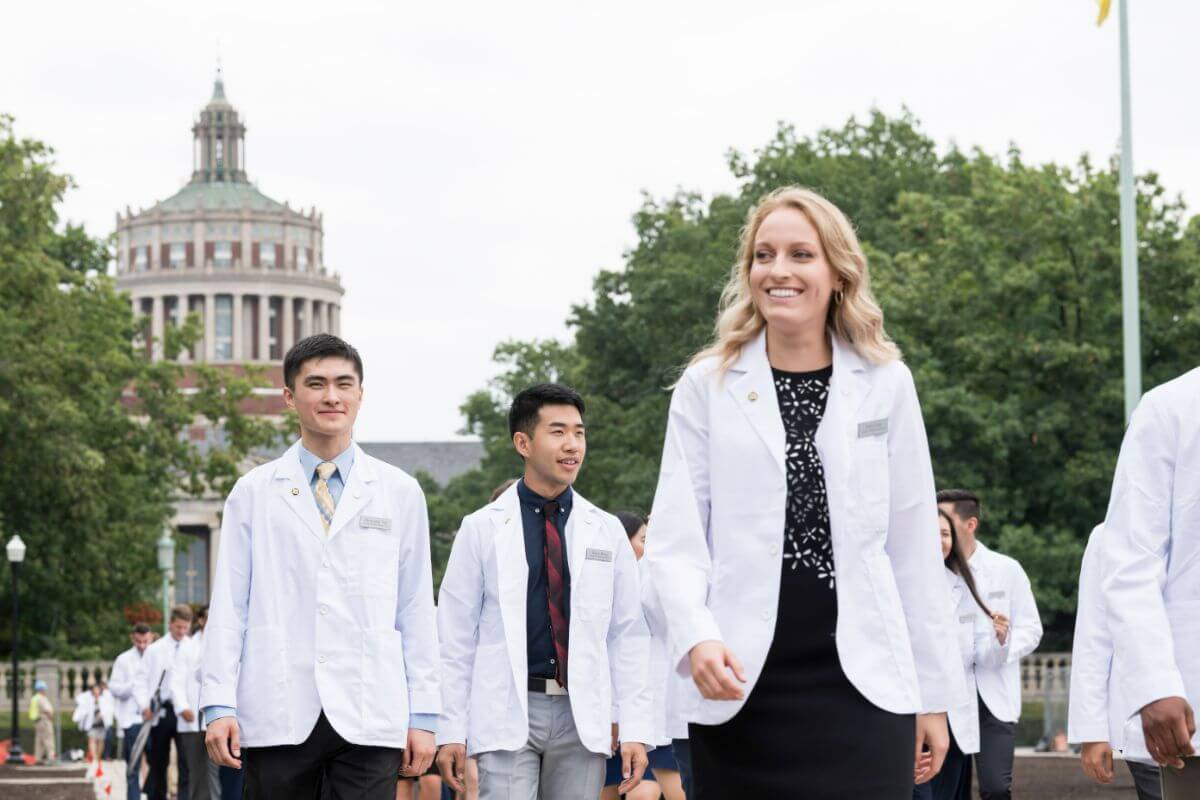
(553, 551)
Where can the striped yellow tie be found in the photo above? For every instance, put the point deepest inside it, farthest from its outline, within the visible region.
(324, 498)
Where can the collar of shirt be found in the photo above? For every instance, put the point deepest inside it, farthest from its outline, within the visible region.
(535, 502)
(344, 461)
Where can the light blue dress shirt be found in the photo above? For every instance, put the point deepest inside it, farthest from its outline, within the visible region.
(336, 483)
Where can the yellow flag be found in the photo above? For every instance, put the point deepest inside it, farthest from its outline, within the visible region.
(1104, 5)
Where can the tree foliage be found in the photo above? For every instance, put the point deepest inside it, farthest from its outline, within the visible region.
(94, 441)
(1000, 281)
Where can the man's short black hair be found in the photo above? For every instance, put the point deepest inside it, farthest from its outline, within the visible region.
(141, 628)
(965, 503)
(523, 414)
(321, 345)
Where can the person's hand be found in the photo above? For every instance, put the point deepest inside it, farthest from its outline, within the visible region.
(1169, 726)
(1097, 761)
(188, 715)
(633, 765)
(224, 742)
(452, 762)
(419, 753)
(711, 663)
(147, 715)
(616, 733)
(933, 735)
(1000, 623)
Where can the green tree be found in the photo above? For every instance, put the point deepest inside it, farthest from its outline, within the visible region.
(1000, 281)
(93, 433)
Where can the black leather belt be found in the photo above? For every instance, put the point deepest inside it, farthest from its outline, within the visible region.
(545, 686)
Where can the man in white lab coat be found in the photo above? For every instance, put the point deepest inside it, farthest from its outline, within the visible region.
(205, 781)
(544, 646)
(128, 685)
(320, 667)
(1151, 582)
(1093, 704)
(1013, 633)
(160, 662)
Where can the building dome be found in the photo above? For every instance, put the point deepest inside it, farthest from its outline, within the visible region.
(251, 267)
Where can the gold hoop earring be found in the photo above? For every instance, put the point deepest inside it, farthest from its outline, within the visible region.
(838, 296)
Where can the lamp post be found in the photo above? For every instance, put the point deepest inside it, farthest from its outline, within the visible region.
(16, 554)
(166, 563)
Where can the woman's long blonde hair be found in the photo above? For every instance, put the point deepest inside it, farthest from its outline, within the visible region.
(856, 317)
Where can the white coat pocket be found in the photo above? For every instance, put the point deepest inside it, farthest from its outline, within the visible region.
(385, 710)
(262, 697)
(871, 482)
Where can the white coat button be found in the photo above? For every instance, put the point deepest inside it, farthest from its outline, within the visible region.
(324, 609)
(321, 659)
(766, 615)
(357, 495)
(774, 549)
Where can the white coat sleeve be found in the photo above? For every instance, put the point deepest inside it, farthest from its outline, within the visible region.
(1025, 624)
(184, 664)
(230, 602)
(460, 602)
(1091, 657)
(914, 549)
(677, 548)
(629, 650)
(416, 618)
(120, 681)
(1137, 540)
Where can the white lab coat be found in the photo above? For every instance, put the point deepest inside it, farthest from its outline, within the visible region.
(128, 686)
(159, 662)
(964, 717)
(664, 683)
(717, 527)
(1006, 590)
(1151, 549)
(85, 709)
(1093, 704)
(481, 622)
(185, 684)
(301, 621)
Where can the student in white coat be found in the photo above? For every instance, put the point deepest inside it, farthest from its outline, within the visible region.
(204, 774)
(321, 656)
(544, 644)
(1016, 631)
(127, 682)
(971, 615)
(1092, 706)
(794, 523)
(1152, 572)
(94, 714)
(161, 657)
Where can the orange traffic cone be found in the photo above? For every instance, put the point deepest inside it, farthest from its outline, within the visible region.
(99, 768)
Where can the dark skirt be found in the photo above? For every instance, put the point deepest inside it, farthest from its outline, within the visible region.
(805, 731)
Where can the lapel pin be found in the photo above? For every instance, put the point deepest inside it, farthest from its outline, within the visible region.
(295, 491)
(752, 396)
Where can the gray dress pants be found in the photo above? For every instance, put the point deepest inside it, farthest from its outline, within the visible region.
(553, 764)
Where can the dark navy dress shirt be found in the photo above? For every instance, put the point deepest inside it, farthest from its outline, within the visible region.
(539, 641)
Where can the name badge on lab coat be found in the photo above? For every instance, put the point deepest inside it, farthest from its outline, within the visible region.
(876, 427)
(966, 618)
(377, 523)
(995, 595)
(598, 555)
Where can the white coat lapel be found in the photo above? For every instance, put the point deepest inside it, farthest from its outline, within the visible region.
(512, 580)
(848, 388)
(580, 526)
(356, 492)
(294, 489)
(753, 389)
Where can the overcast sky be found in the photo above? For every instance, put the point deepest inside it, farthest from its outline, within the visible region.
(478, 162)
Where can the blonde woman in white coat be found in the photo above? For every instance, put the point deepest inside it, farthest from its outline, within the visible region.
(795, 523)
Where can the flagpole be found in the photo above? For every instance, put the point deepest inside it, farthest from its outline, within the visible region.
(1130, 319)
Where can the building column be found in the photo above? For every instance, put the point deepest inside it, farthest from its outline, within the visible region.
(311, 313)
(327, 319)
(264, 327)
(336, 330)
(181, 312)
(156, 328)
(288, 328)
(210, 327)
(238, 349)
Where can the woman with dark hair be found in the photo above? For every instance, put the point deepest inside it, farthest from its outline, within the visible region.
(662, 776)
(954, 781)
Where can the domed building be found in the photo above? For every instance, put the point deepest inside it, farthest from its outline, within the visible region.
(252, 268)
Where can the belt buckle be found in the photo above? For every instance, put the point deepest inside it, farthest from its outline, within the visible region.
(553, 689)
